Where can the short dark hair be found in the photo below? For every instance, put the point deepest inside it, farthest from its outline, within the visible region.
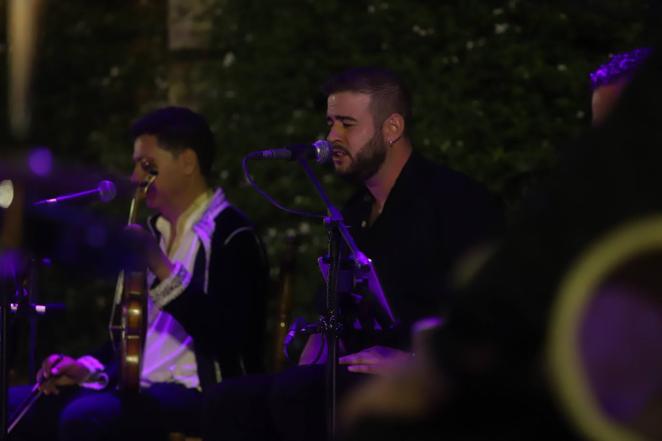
(387, 91)
(618, 67)
(178, 128)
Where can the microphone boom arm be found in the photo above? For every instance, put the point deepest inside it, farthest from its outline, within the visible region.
(66, 197)
(106, 192)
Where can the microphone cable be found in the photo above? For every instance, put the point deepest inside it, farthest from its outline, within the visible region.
(271, 199)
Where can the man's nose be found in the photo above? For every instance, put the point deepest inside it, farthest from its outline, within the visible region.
(138, 175)
(334, 134)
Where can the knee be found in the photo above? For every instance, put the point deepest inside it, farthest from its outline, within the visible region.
(226, 395)
(298, 384)
(88, 419)
(236, 409)
(237, 397)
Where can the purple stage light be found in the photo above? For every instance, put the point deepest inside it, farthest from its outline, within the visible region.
(41, 161)
(6, 193)
(10, 263)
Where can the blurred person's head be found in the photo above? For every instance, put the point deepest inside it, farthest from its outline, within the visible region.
(609, 80)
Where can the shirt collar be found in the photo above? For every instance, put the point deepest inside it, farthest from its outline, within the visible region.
(407, 178)
(191, 216)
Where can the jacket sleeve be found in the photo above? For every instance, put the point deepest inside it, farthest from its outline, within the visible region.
(227, 321)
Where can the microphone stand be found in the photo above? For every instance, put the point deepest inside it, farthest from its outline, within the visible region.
(10, 284)
(4, 385)
(10, 238)
(342, 249)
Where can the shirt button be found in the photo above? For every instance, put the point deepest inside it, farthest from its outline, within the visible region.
(364, 224)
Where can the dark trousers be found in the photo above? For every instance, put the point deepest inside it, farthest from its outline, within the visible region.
(79, 414)
(288, 406)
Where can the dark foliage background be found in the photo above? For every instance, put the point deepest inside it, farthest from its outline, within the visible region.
(497, 87)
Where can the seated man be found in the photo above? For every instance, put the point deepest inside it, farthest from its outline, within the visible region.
(499, 351)
(208, 277)
(414, 218)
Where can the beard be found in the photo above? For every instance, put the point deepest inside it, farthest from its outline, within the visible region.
(367, 160)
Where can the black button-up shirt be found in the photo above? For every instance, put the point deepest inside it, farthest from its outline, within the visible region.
(431, 216)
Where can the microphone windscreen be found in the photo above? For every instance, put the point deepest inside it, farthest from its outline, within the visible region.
(107, 191)
(324, 149)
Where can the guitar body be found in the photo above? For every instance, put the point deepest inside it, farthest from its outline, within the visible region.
(133, 329)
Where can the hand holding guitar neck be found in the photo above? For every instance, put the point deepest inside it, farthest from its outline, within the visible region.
(144, 242)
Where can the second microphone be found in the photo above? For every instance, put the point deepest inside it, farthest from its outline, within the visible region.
(319, 151)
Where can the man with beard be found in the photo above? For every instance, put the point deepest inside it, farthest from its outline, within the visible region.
(414, 218)
(503, 373)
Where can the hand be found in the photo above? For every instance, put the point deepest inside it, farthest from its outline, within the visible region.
(374, 360)
(60, 370)
(409, 391)
(157, 261)
(314, 352)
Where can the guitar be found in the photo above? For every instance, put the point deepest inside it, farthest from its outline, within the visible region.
(131, 302)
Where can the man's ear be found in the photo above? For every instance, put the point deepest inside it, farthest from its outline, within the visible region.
(393, 128)
(189, 161)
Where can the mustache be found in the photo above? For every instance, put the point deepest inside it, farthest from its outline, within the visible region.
(341, 148)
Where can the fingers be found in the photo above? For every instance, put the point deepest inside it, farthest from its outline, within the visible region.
(374, 360)
(50, 387)
(368, 361)
(54, 366)
(373, 369)
(47, 365)
(144, 243)
(135, 227)
(360, 358)
(59, 370)
(137, 234)
(47, 375)
(371, 355)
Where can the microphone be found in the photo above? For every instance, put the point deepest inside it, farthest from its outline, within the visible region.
(295, 327)
(298, 327)
(320, 151)
(105, 191)
(36, 309)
